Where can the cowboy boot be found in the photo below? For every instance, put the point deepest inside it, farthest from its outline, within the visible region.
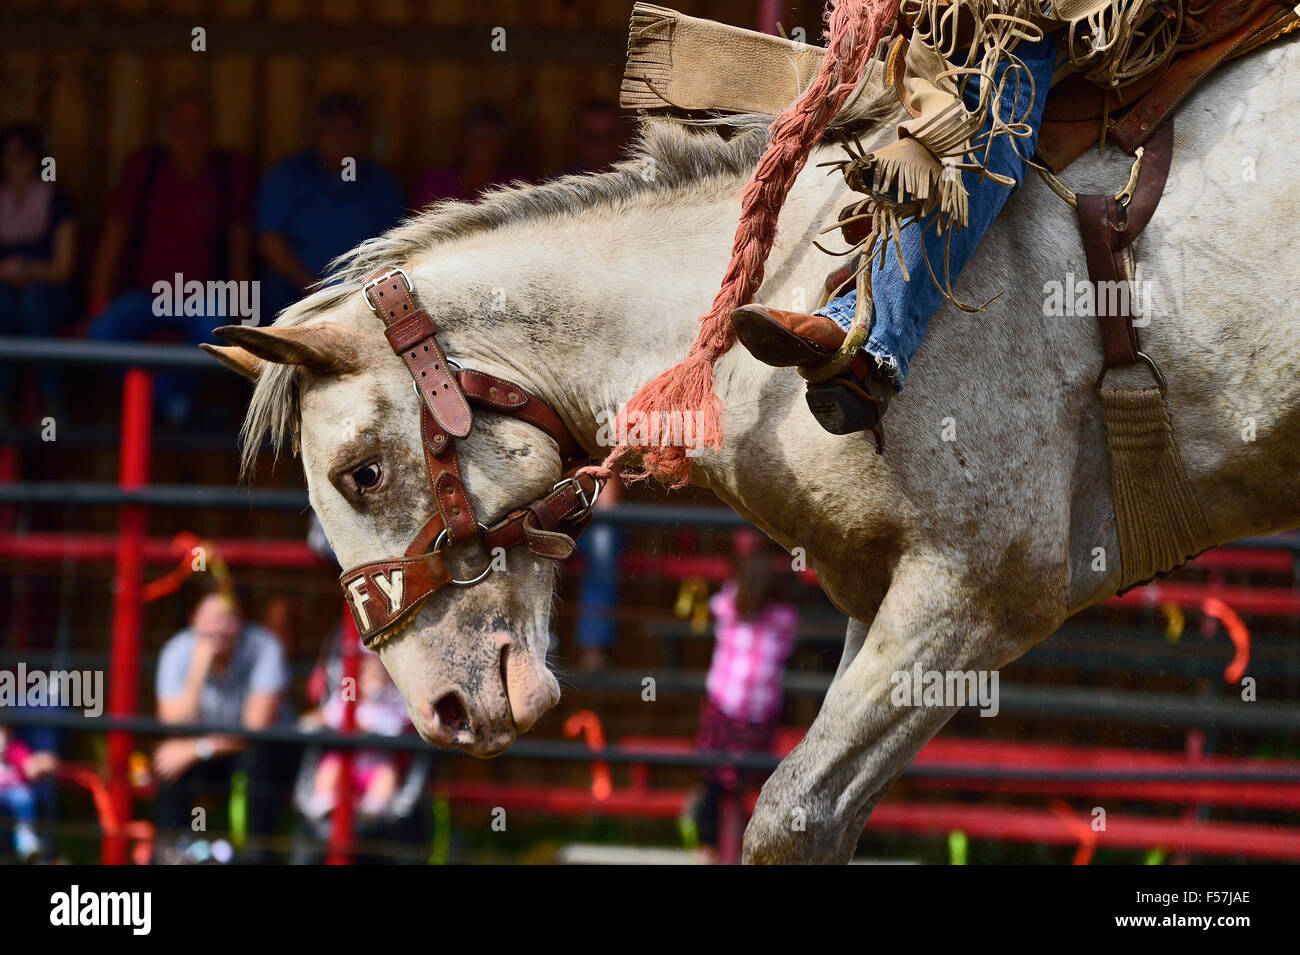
(854, 400)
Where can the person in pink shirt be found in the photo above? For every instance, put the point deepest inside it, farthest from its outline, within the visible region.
(754, 635)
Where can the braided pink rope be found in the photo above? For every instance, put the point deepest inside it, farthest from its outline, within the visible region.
(855, 28)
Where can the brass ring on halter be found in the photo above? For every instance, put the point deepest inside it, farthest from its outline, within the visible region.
(587, 504)
(376, 282)
(437, 546)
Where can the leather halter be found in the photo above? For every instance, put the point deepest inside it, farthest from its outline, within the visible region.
(384, 594)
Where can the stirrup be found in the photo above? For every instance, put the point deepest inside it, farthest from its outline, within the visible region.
(841, 406)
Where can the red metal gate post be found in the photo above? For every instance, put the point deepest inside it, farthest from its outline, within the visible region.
(731, 827)
(133, 474)
(341, 824)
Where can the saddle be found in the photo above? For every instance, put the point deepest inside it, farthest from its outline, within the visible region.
(1081, 113)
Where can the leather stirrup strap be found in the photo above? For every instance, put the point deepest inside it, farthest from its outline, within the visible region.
(1106, 269)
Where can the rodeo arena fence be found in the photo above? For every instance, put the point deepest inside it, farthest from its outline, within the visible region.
(1180, 801)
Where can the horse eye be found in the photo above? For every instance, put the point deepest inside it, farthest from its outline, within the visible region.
(366, 476)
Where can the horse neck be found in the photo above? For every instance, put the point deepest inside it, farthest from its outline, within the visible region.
(598, 303)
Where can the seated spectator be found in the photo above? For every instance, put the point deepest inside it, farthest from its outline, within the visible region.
(223, 672)
(598, 137)
(754, 636)
(19, 768)
(318, 204)
(480, 164)
(181, 213)
(375, 772)
(38, 252)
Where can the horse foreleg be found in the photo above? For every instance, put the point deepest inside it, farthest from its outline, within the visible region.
(814, 805)
(854, 637)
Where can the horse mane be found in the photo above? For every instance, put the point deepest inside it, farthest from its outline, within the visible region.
(667, 156)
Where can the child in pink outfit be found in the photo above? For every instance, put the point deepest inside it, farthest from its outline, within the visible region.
(19, 767)
(380, 711)
(754, 635)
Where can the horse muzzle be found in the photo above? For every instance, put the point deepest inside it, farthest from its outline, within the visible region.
(476, 696)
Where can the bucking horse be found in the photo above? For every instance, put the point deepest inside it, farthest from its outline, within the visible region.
(971, 539)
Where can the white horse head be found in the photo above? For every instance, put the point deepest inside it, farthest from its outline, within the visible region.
(471, 663)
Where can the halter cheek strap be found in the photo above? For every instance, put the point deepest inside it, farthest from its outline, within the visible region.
(410, 331)
(384, 594)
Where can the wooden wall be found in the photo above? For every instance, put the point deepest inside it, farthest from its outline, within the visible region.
(97, 73)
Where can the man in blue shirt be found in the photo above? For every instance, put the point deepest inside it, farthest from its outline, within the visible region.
(319, 203)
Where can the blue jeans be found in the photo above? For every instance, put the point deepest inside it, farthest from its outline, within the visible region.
(598, 592)
(131, 318)
(37, 310)
(901, 309)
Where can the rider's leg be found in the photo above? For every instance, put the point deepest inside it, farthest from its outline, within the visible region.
(901, 309)
(854, 400)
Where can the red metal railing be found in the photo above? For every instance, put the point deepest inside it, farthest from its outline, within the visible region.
(133, 473)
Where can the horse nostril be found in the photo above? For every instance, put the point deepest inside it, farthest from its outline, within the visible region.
(451, 712)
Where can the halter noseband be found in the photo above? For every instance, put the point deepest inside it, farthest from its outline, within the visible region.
(384, 594)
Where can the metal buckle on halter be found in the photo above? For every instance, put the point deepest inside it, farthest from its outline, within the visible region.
(373, 283)
(587, 505)
(437, 547)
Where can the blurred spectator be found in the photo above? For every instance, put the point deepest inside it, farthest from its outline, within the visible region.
(285, 617)
(180, 209)
(481, 161)
(19, 768)
(600, 547)
(318, 204)
(38, 251)
(375, 772)
(598, 137)
(754, 637)
(223, 672)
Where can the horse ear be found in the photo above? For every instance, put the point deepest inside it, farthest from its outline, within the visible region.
(324, 348)
(236, 359)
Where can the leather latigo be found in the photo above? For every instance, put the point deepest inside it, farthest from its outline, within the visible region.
(1108, 230)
